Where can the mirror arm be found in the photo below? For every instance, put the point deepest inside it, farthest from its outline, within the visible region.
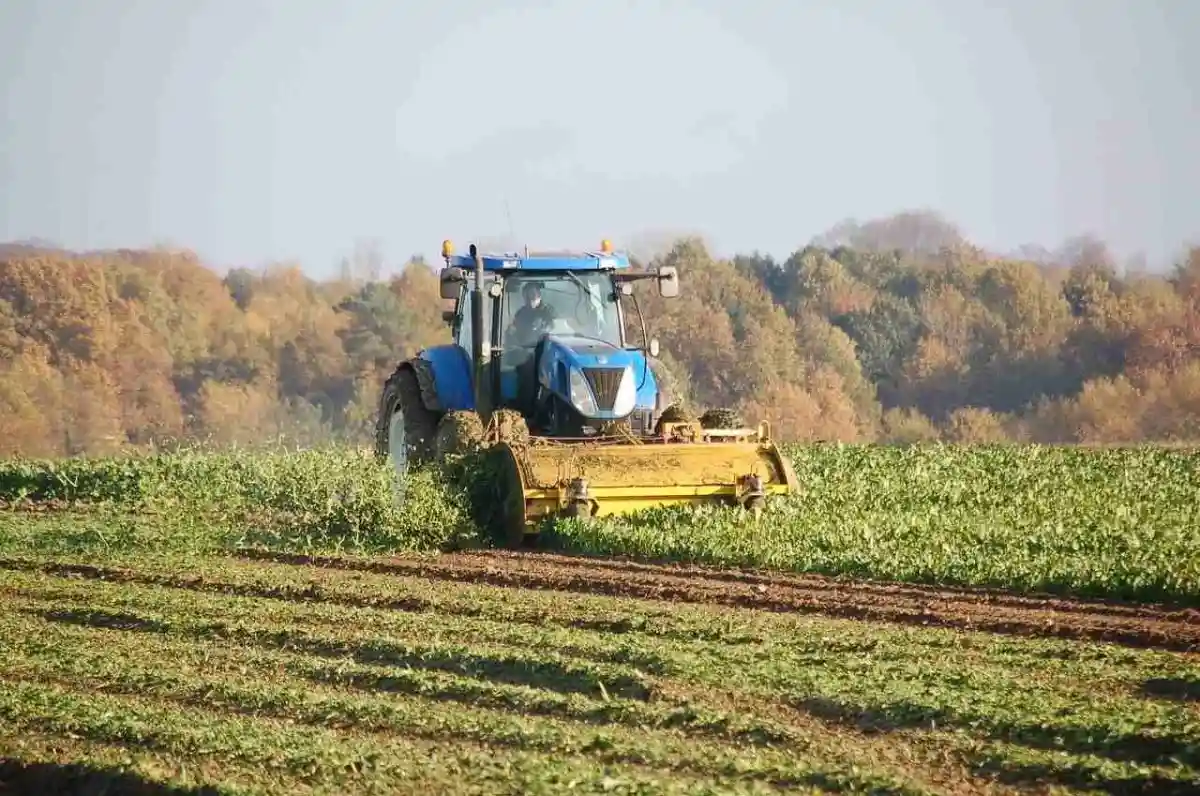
(636, 276)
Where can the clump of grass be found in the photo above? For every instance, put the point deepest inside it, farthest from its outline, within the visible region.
(107, 480)
(348, 501)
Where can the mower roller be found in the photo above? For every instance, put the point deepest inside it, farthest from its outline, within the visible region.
(575, 419)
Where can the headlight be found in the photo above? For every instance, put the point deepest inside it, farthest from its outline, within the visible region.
(581, 394)
(626, 394)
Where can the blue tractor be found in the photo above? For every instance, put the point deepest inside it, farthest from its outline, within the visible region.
(541, 353)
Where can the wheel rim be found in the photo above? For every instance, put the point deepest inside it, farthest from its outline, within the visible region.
(398, 447)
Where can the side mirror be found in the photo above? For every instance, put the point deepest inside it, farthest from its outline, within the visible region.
(654, 348)
(448, 316)
(668, 281)
(449, 280)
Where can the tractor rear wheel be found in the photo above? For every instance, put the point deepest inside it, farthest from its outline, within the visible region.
(405, 429)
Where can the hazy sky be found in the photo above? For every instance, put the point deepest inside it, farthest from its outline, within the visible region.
(256, 130)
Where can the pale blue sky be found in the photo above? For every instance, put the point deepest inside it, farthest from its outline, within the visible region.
(257, 130)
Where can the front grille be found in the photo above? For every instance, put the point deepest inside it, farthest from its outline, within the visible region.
(604, 382)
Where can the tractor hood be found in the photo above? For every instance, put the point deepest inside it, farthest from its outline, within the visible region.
(591, 352)
(601, 380)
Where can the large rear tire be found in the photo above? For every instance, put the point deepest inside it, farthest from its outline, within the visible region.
(405, 429)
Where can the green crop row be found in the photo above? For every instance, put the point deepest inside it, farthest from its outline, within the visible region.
(265, 677)
(1119, 522)
(334, 498)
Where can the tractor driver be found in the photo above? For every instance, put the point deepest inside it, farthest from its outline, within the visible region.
(534, 317)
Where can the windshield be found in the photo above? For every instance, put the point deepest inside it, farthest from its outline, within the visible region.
(560, 303)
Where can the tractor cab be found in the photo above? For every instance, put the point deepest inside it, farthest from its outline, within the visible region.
(554, 339)
(579, 310)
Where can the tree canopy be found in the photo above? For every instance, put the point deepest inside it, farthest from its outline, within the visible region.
(891, 330)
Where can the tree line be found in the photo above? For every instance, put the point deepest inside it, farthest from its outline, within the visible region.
(897, 330)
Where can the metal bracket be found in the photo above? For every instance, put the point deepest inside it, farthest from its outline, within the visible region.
(749, 487)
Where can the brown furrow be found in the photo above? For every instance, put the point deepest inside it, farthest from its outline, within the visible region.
(1153, 628)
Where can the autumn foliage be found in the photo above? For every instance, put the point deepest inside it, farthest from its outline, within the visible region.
(897, 330)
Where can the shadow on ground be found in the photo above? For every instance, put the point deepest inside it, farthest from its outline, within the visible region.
(1133, 747)
(509, 669)
(1079, 776)
(1182, 689)
(315, 593)
(107, 620)
(76, 779)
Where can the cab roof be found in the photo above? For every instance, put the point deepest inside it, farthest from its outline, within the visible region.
(545, 261)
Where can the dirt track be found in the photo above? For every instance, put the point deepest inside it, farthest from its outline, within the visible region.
(970, 609)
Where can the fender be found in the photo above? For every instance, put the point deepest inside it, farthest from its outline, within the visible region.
(423, 370)
(448, 375)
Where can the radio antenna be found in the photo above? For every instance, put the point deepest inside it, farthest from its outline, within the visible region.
(508, 215)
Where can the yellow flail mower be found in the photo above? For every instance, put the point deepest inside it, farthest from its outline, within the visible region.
(576, 421)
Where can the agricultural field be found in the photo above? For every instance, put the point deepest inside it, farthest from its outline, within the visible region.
(918, 620)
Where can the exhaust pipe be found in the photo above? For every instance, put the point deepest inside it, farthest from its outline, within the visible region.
(477, 338)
